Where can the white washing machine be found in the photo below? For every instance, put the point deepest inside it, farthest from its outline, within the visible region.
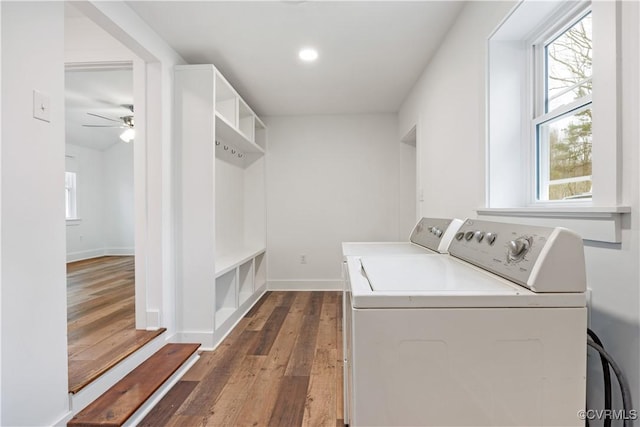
(429, 236)
(494, 335)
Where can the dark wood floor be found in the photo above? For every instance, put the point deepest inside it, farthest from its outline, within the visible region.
(101, 317)
(280, 366)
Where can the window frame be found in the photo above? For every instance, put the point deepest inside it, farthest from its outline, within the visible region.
(539, 114)
(71, 196)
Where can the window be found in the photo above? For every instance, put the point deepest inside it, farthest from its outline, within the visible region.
(562, 112)
(554, 117)
(70, 195)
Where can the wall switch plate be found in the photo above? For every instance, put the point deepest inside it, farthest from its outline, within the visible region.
(41, 106)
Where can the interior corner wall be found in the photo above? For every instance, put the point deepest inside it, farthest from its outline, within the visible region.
(448, 103)
(329, 179)
(34, 319)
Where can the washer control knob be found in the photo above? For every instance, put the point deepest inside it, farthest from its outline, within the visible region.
(469, 235)
(491, 237)
(517, 248)
(438, 232)
(459, 235)
(479, 235)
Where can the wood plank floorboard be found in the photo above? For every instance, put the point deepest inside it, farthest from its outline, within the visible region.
(101, 317)
(280, 366)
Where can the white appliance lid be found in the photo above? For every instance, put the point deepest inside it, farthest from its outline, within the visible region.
(382, 248)
(432, 274)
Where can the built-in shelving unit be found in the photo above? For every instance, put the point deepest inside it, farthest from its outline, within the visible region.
(222, 221)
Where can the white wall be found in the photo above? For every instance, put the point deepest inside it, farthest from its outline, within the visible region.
(34, 345)
(329, 179)
(118, 200)
(448, 102)
(33, 370)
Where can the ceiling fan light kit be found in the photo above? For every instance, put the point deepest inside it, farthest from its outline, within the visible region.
(128, 135)
(126, 122)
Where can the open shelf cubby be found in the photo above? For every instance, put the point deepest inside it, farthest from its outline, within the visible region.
(245, 281)
(246, 120)
(226, 300)
(260, 268)
(226, 101)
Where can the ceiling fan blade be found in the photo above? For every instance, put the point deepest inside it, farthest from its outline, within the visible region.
(103, 117)
(104, 126)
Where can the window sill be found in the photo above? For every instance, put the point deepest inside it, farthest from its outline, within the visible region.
(596, 223)
(74, 221)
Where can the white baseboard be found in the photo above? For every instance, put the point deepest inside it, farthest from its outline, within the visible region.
(96, 253)
(62, 422)
(129, 251)
(209, 340)
(81, 255)
(305, 285)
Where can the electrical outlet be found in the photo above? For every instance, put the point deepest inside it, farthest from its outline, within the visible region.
(303, 259)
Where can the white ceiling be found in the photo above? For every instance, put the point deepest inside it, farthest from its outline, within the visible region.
(371, 52)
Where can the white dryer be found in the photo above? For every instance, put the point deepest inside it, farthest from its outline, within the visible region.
(494, 335)
(429, 236)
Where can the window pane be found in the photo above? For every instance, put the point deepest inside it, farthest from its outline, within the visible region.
(70, 195)
(564, 157)
(568, 63)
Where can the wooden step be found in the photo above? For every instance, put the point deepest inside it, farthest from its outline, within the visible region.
(122, 400)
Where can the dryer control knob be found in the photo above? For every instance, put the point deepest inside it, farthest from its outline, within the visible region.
(491, 238)
(479, 236)
(469, 235)
(459, 235)
(518, 248)
(438, 232)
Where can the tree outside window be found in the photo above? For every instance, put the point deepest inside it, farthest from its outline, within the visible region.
(563, 130)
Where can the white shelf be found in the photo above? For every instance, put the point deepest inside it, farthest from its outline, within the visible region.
(228, 134)
(228, 261)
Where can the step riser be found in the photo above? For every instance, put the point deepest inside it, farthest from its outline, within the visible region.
(132, 398)
(158, 395)
(83, 398)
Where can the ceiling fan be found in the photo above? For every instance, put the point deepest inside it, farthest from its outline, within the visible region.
(124, 122)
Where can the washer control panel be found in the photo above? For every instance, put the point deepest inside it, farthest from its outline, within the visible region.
(542, 259)
(435, 233)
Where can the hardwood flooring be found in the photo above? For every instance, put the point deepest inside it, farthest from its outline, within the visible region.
(101, 317)
(280, 366)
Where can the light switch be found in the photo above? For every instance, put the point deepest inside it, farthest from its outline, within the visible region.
(41, 105)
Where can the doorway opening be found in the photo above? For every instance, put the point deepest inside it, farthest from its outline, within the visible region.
(102, 194)
(408, 214)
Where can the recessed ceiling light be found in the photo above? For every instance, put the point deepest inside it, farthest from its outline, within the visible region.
(308, 54)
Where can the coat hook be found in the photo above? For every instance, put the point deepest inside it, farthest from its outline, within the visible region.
(233, 151)
(240, 155)
(226, 147)
(217, 142)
